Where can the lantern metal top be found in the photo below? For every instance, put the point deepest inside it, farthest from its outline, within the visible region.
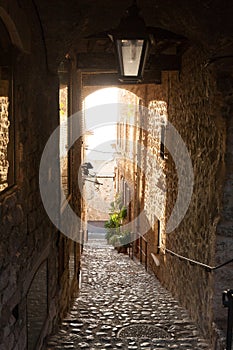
(131, 41)
(131, 25)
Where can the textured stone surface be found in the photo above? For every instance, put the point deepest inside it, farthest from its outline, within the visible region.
(117, 293)
(27, 236)
(224, 242)
(207, 22)
(198, 104)
(196, 112)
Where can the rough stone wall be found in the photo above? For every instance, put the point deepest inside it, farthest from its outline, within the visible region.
(27, 236)
(199, 102)
(224, 242)
(193, 110)
(199, 107)
(155, 181)
(4, 125)
(140, 168)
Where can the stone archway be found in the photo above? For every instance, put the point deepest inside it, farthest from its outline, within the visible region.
(120, 96)
(18, 33)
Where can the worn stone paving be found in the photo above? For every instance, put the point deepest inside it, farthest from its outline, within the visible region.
(120, 306)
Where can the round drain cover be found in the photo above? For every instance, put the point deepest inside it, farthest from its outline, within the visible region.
(143, 331)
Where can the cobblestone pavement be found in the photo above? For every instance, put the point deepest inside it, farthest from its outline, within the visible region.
(120, 306)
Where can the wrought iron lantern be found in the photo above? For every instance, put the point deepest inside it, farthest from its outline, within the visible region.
(131, 41)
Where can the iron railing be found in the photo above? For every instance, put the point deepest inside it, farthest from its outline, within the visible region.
(206, 267)
(227, 296)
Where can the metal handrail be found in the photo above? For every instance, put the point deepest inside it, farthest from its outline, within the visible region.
(208, 268)
(227, 296)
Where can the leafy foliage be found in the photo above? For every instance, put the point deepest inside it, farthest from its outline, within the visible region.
(118, 213)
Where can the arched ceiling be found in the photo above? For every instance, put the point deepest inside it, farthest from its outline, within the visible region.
(204, 22)
(5, 40)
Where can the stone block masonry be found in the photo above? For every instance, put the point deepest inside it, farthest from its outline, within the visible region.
(199, 107)
(4, 126)
(194, 108)
(29, 241)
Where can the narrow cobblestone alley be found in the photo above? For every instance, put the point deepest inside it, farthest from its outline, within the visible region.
(120, 306)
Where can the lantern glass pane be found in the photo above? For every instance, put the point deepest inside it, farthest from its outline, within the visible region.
(131, 56)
